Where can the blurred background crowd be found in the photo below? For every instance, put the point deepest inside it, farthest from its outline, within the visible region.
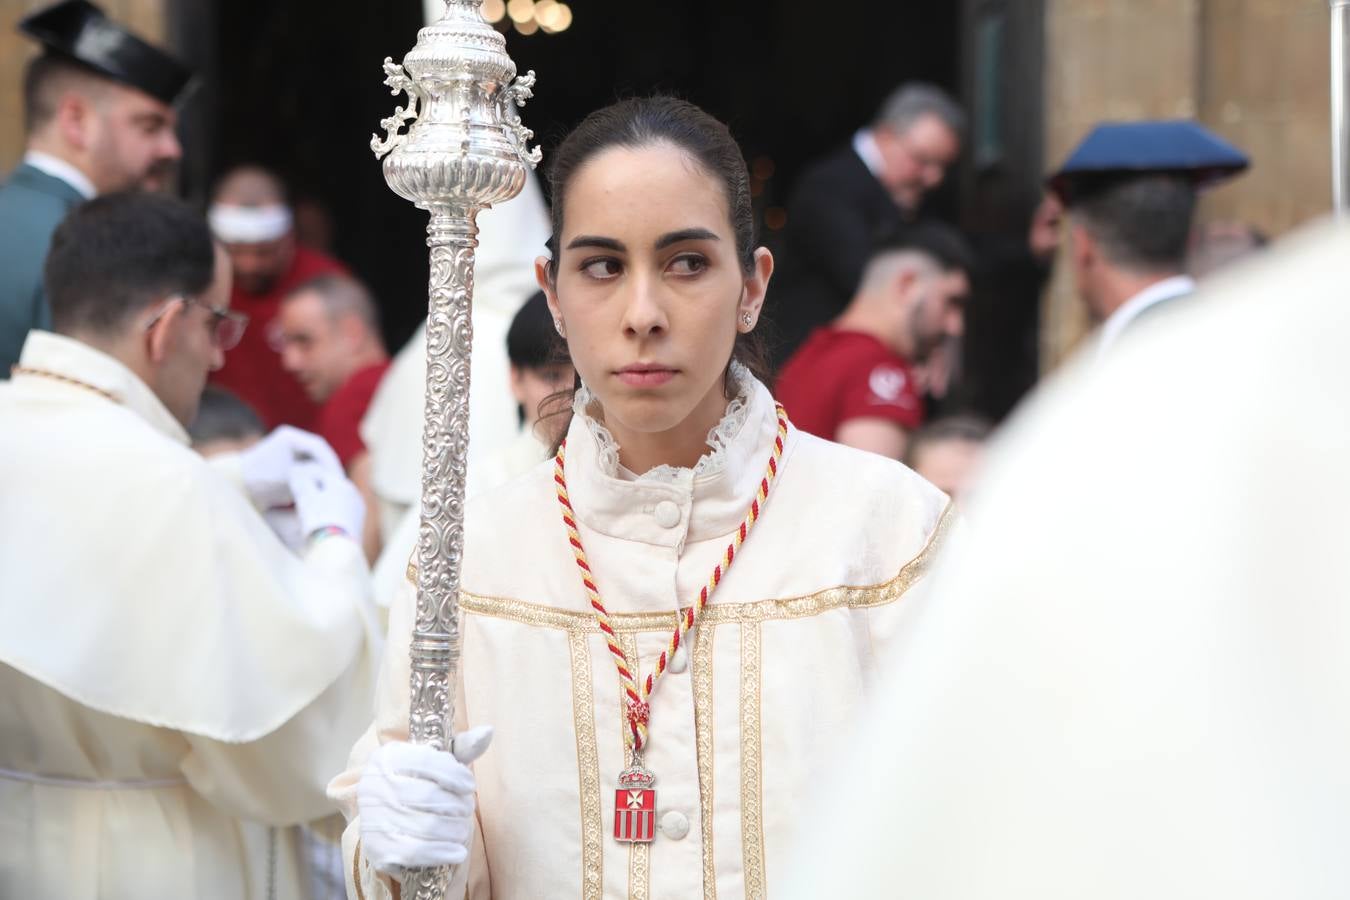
(899, 153)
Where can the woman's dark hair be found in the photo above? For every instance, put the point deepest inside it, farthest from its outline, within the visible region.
(642, 122)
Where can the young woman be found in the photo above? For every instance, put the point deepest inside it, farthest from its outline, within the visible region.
(634, 755)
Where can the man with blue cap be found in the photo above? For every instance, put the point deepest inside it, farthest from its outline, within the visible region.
(99, 113)
(1130, 190)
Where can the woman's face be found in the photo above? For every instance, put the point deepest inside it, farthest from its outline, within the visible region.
(649, 287)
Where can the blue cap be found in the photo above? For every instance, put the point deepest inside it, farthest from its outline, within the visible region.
(1117, 150)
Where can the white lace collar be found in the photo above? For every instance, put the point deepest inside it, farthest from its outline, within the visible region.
(607, 449)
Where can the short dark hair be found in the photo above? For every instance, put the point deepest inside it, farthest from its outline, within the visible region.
(222, 416)
(117, 254)
(342, 295)
(938, 241)
(1141, 222)
(532, 341)
(44, 79)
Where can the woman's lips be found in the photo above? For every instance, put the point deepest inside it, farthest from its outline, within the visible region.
(645, 375)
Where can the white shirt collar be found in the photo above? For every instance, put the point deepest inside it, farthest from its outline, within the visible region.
(60, 169)
(1131, 309)
(59, 355)
(698, 503)
(865, 145)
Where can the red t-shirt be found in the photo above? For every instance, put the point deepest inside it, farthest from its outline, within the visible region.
(840, 375)
(252, 370)
(341, 414)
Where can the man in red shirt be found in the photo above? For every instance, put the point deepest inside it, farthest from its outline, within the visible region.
(853, 381)
(250, 216)
(328, 336)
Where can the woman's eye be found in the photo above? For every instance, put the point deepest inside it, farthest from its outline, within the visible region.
(689, 264)
(604, 267)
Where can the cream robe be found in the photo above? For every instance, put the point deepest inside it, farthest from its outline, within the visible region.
(390, 572)
(1137, 682)
(779, 667)
(510, 237)
(168, 670)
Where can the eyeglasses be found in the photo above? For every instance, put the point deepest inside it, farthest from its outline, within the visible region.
(227, 325)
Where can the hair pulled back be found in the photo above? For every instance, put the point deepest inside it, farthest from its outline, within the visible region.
(647, 121)
(642, 122)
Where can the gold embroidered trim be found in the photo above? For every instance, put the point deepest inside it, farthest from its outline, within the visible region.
(639, 871)
(701, 665)
(65, 379)
(639, 855)
(752, 787)
(356, 871)
(588, 769)
(723, 613)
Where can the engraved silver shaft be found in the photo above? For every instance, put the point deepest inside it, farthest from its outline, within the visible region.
(465, 149)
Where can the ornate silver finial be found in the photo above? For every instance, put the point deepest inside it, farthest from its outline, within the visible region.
(464, 149)
(464, 144)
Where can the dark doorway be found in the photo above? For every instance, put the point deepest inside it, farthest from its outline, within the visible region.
(296, 85)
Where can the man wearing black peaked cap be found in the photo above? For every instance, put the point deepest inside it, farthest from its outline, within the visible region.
(99, 113)
(1130, 189)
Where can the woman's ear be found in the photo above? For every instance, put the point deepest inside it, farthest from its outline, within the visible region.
(756, 287)
(541, 275)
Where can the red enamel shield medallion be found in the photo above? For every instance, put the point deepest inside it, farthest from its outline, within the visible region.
(635, 806)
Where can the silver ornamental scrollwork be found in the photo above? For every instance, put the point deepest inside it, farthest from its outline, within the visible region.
(511, 98)
(398, 82)
(463, 150)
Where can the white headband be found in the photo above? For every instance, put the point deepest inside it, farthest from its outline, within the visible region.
(249, 224)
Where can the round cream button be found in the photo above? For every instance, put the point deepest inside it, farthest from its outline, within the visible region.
(667, 514)
(679, 661)
(674, 825)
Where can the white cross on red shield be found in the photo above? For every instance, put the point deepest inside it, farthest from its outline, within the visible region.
(634, 815)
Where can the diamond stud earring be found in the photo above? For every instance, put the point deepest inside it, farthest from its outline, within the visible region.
(745, 317)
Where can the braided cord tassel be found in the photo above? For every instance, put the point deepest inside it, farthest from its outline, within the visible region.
(639, 710)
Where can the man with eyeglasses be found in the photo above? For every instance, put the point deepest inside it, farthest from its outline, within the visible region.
(175, 683)
(845, 203)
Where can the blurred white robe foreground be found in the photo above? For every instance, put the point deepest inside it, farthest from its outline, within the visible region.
(168, 669)
(1136, 681)
(510, 236)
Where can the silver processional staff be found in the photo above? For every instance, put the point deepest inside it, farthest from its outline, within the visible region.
(464, 150)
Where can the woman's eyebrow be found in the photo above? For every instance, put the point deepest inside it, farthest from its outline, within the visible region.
(593, 240)
(684, 234)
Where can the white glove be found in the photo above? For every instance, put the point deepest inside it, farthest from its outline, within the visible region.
(266, 466)
(417, 803)
(326, 498)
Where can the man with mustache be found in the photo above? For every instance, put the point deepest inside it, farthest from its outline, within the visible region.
(100, 118)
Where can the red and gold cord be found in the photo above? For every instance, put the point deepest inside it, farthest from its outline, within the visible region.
(639, 710)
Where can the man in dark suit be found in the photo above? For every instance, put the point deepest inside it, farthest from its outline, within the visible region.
(98, 104)
(848, 201)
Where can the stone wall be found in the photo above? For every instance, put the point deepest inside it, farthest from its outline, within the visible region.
(145, 17)
(1255, 71)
